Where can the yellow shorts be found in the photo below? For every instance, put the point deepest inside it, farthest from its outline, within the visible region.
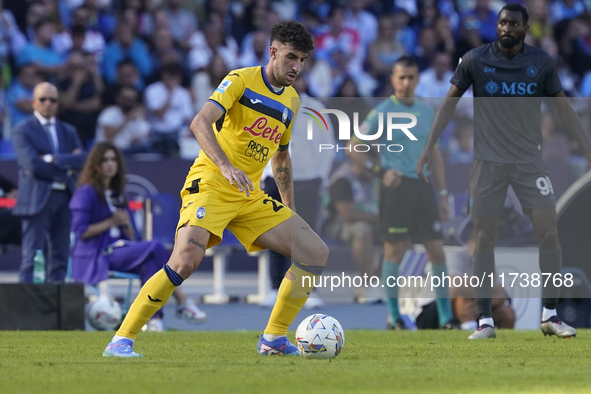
(210, 202)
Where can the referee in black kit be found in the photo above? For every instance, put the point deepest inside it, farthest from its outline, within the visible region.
(509, 79)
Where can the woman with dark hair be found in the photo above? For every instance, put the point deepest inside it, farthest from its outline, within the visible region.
(105, 234)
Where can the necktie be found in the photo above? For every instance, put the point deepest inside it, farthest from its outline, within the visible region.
(47, 128)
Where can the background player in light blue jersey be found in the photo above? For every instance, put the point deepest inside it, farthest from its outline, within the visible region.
(408, 208)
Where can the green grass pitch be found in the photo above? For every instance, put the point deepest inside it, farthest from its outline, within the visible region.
(226, 362)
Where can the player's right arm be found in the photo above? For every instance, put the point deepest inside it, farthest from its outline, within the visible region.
(441, 120)
(461, 81)
(202, 128)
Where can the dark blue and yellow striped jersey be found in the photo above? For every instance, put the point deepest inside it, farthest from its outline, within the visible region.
(257, 120)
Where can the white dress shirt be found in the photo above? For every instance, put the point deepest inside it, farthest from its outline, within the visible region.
(52, 129)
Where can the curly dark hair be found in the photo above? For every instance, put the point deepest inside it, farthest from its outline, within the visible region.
(92, 171)
(516, 7)
(294, 33)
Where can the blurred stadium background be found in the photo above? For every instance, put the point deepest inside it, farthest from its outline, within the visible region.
(108, 58)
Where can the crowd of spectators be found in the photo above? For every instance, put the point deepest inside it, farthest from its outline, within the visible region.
(135, 72)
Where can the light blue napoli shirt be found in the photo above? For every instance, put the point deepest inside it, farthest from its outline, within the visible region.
(406, 160)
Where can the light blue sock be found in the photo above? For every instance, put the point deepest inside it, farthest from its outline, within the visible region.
(390, 268)
(442, 292)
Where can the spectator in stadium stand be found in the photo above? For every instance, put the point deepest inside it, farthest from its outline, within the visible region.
(10, 225)
(204, 82)
(469, 38)
(20, 93)
(93, 40)
(35, 14)
(385, 50)
(105, 236)
(340, 46)
(163, 48)
(61, 39)
(434, 81)
(364, 22)
(445, 42)
(11, 38)
(539, 20)
(125, 123)
(101, 17)
(483, 13)
(426, 49)
(170, 110)
(404, 33)
(125, 45)
(317, 7)
(129, 16)
(158, 20)
(427, 14)
(78, 36)
(311, 21)
(145, 11)
(256, 51)
(182, 22)
(565, 9)
(220, 13)
(127, 74)
(576, 45)
(49, 154)
(81, 100)
(568, 78)
(39, 52)
(265, 19)
(319, 75)
(212, 39)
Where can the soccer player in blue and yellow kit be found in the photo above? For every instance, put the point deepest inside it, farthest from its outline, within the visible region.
(247, 121)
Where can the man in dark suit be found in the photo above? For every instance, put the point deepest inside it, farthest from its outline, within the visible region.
(49, 153)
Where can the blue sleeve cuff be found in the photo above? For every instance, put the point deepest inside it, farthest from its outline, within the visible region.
(218, 104)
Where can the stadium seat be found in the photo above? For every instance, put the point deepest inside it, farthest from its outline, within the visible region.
(162, 218)
(7, 150)
(125, 275)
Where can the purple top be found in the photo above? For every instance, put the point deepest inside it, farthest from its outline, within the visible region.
(89, 265)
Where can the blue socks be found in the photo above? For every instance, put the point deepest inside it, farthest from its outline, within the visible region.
(172, 275)
(442, 292)
(390, 268)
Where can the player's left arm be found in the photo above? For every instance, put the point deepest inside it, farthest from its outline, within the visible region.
(569, 117)
(282, 172)
(439, 178)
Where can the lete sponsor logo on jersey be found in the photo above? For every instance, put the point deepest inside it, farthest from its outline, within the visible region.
(223, 86)
(260, 129)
